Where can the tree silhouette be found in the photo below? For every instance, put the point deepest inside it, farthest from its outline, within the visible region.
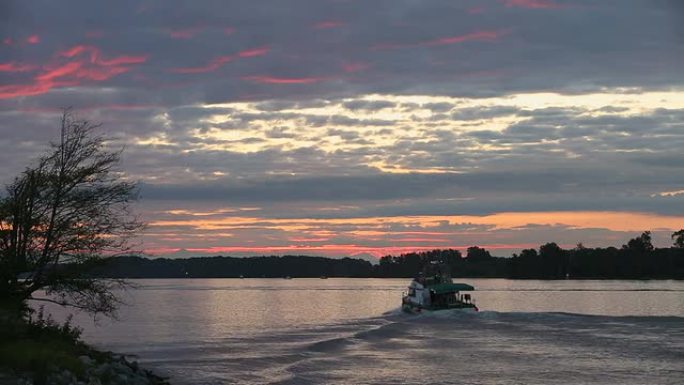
(641, 244)
(60, 218)
(678, 238)
(477, 253)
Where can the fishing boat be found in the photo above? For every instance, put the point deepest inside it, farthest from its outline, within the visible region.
(436, 291)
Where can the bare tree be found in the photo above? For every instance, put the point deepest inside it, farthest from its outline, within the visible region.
(63, 216)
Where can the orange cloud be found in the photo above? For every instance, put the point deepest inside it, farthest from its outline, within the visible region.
(613, 221)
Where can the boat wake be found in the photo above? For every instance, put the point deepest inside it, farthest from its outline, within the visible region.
(454, 347)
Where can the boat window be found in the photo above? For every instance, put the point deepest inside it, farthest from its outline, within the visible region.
(412, 291)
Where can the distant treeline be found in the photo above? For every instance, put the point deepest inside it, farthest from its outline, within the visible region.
(234, 267)
(638, 259)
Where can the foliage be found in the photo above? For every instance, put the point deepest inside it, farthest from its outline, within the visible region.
(477, 253)
(63, 216)
(640, 244)
(44, 325)
(39, 345)
(678, 238)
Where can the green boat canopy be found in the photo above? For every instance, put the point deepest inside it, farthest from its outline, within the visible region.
(443, 288)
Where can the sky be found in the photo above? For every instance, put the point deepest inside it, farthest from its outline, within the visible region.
(364, 128)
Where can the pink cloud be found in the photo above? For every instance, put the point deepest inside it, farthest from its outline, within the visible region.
(13, 91)
(260, 51)
(95, 58)
(228, 31)
(83, 63)
(33, 39)
(473, 36)
(60, 71)
(121, 60)
(328, 24)
(334, 249)
(213, 65)
(532, 4)
(14, 67)
(280, 80)
(421, 240)
(7, 41)
(476, 10)
(185, 33)
(354, 67)
(219, 61)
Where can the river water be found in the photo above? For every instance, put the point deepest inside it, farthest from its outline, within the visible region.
(350, 331)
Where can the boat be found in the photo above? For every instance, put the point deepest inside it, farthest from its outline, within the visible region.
(434, 290)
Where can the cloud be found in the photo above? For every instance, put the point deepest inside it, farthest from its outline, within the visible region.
(213, 65)
(532, 4)
(266, 79)
(82, 63)
(470, 107)
(328, 24)
(16, 67)
(185, 33)
(447, 40)
(33, 39)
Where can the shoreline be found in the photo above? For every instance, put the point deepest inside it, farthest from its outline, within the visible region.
(97, 368)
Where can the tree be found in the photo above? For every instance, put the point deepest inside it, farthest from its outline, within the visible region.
(477, 253)
(60, 218)
(678, 238)
(550, 250)
(641, 244)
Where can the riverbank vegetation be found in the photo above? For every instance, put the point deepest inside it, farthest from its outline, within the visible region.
(637, 259)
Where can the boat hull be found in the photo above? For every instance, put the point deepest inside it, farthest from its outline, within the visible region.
(415, 309)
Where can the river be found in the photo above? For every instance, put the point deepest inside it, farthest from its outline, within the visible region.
(350, 331)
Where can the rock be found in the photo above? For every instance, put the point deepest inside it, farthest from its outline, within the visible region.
(138, 380)
(121, 378)
(120, 367)
(87, 361)
(102, 369)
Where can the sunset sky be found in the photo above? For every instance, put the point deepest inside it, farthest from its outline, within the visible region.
(363, 128)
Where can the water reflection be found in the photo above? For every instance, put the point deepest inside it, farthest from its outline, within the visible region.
(191, 310)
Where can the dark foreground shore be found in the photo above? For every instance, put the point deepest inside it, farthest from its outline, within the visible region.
(40, 351)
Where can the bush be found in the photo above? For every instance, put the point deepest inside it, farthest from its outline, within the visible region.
(40, 345)
(44, 326)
